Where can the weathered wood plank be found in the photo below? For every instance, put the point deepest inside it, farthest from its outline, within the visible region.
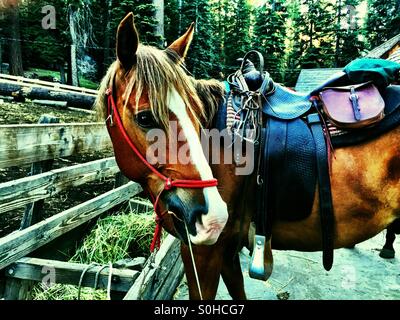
(33, 211)
(17, 289)
(47, 84)
(159, 280)
(17, 193)
(20, 243)
(24, 144)
(70, 273)
(171, 282)
(51, 103)
(2, 284)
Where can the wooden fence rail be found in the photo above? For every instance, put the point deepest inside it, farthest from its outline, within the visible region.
(47, 84)
(69, 273)
(24, 144)
(17, 193)
(20, 243)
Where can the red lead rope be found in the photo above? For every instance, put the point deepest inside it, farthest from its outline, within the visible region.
(169, 183)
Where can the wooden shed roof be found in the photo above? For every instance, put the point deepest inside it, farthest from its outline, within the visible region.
(310, 79)
(395, 56)
(384, 48)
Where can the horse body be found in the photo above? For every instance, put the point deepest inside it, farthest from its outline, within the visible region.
(366, 197)
(365, 178)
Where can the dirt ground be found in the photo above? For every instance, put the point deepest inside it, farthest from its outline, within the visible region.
(25, 113)
(357, 274)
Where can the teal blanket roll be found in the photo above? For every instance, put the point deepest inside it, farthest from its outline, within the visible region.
(381, 72)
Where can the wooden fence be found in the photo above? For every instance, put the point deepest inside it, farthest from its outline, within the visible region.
(39, 145)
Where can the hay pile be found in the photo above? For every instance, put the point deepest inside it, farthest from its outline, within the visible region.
(115, 237)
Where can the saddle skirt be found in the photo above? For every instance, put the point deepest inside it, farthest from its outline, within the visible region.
(283, 103)
(286, 104)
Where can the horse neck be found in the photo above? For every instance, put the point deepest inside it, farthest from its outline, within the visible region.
(211, 93)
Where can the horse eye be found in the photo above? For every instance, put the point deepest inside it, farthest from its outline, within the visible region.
(146, 120)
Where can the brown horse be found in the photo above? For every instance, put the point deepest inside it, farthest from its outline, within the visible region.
(150, 90)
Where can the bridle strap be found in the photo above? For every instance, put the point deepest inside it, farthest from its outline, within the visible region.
(113, 115)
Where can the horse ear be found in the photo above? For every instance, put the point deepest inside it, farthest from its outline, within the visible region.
(181, 45)
(127, 42)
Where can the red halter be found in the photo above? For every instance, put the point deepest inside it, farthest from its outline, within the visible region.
(112, 112)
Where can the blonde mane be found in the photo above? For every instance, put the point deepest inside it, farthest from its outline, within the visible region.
(155, 72)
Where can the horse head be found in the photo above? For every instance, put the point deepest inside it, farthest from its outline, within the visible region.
(154, 116)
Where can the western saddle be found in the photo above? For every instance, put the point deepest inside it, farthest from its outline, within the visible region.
(295, 134)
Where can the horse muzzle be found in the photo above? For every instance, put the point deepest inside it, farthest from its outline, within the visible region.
(202, 221)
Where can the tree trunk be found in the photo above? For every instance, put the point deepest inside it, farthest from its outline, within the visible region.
(180, 16)
(106, 53)
(62, 73)
(73, 99)
(16, 68)
(338, 28)
(74, 64)
(69, 69)
(159, 5)
(1, 56)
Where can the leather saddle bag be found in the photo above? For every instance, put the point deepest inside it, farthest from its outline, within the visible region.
(353, 106)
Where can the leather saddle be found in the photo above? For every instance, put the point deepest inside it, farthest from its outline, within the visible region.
(277, 101)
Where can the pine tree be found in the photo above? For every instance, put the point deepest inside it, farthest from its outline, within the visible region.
(348, 45)
(296, 44)
(269, 38)
(46, 48)
(237, 38)
(172, 21)
(313, 42)
(383, 21)
(202, 59)
(144, 12)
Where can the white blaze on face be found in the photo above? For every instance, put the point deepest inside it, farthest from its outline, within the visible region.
(212, 223)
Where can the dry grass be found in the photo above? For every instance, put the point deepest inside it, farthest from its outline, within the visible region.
(116, 237)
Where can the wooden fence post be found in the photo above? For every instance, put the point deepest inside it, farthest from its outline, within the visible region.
(33, 211)
(120, 180)
(17, 289)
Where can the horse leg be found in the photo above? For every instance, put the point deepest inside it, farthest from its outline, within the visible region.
(233, 276)
(387, 251)
(208, 260)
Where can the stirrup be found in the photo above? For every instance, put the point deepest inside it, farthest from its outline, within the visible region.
(257, 268)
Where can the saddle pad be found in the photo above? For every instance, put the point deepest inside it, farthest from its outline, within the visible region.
(391, 96)
(292, 172)
(286, 104)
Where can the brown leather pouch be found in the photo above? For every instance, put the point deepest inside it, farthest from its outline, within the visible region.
(354, 106)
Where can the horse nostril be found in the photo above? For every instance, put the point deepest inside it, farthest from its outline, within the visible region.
(186, 212)
(193, 215)
(197, 213)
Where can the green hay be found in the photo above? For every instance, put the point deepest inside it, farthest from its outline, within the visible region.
(117, 237)
(114, 238)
